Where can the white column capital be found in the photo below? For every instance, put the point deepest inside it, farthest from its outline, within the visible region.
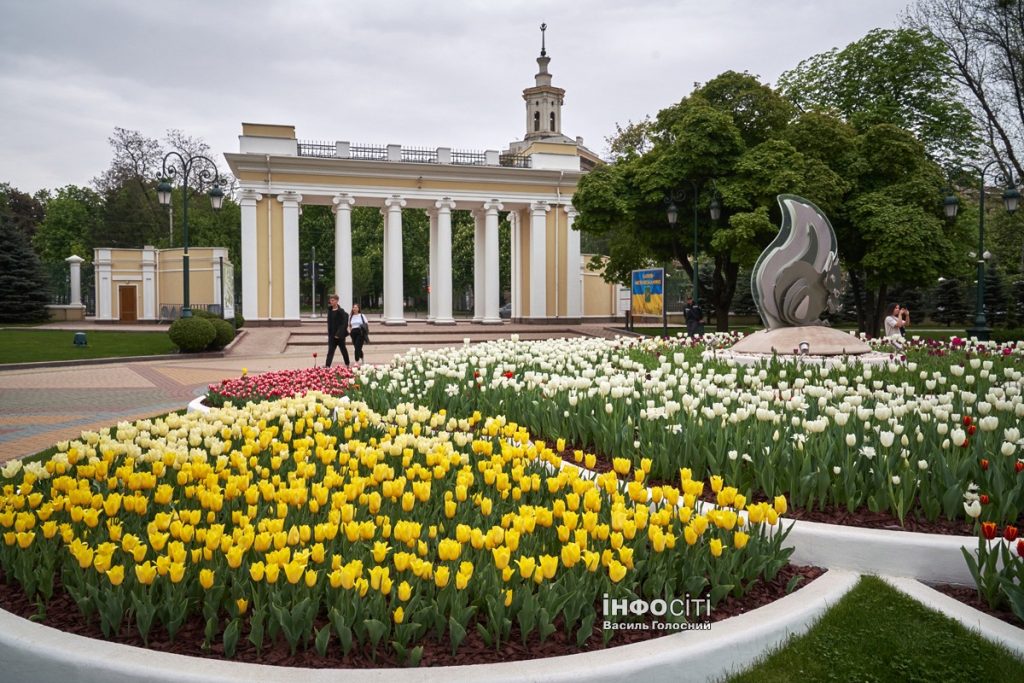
(493, 206)
(571, 211)
(342, 202)
(394, 202)
(290, 197)
(248, 197)
(539, 207)
(74, 258)
(445, 204)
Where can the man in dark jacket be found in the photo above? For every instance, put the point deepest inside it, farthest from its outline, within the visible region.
(337, 330)
(693, 314)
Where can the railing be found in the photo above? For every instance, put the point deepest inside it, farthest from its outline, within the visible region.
(316, 149)
(468, 157)
(419, 155)
(514, 160)
(369, 152)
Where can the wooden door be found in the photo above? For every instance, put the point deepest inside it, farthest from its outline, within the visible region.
(127, 304)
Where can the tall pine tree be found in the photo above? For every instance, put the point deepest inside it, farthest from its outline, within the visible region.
(23, 285)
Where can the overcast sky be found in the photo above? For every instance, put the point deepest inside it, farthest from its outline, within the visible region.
(430, 73)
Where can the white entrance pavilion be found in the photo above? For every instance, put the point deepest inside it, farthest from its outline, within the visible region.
(533, 180)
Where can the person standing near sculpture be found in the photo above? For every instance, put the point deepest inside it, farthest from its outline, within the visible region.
(359, 328)
(894, 324)
(337, 330)
(693, 315)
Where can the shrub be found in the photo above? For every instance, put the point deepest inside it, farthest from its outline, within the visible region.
(192, 334)
(239, 321)
(203, 313)
(225, 333)
(1008, 334)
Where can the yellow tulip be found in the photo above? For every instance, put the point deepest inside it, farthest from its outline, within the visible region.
(740, 539)
(780, 505)
(272, 572)
(716, 547)
(257, 571)
(145, 573)
(716, 483)
(116, 575)
(311, 578)
(176, 571)
(690, 534)
(442, 576)
(526, 566)
(242, 604)
(404, 591)
(756, 512)
(206, 578)
(616, 571)
(399, 615)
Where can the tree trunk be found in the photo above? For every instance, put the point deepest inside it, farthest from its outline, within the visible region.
(858, 300)
(879, 311)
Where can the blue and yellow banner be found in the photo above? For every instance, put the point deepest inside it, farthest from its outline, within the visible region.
(648, 292)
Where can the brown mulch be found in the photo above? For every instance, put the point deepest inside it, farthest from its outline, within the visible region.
(62, 614)
(969, 596)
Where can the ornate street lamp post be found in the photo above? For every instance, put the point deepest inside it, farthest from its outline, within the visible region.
(715, 210)
(1011, 200)
(180, 167)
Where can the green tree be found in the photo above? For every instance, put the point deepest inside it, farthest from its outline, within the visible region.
(23, 285)
(950, 303)
(898, 77)
(21, 210)
(73, 216)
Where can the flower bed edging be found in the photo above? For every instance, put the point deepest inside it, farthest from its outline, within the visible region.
(33, 652)
(985, 625)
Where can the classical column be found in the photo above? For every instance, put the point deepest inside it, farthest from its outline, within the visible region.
(343, 249)
(250, 297)
(492, 283)
(149, 283)
(538, 259)
(573, 269)
(441, 285)
(290, 253)
(104, 286)
(478, 266)
(513, 223)
(394, 296)
(75, 265)
(432, 267)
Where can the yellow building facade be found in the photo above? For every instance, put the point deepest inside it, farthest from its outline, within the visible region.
(532, 181)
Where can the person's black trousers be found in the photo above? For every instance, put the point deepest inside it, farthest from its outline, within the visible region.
(333, 343)
(357, 343)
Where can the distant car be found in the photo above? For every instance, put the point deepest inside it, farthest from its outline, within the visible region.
(505, 311)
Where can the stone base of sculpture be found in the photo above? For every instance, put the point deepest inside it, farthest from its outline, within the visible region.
(821, 341)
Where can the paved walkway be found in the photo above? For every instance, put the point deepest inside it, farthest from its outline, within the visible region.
(40, 406)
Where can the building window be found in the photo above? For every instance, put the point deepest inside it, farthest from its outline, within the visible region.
(536, 121)
(552, 122)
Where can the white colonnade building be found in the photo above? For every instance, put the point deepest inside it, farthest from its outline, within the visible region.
(533, 181)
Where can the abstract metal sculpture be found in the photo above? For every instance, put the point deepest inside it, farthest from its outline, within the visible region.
(796, 278)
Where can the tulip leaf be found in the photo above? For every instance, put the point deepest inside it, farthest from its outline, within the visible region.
(231, 639)
(458, 633)
(323, 639)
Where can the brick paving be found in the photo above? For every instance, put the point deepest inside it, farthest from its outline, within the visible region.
(40, 406)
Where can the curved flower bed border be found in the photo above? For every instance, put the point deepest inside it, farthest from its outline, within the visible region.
(32, 652)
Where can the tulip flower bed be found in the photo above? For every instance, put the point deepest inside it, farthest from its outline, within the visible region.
(322, 524)
(907, 438)
(280, 384)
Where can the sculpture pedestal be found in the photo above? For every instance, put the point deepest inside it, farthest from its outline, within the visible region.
(823, 341)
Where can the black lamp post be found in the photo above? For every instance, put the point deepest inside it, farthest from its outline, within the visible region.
(1011, 200)
(182, 168)
(714, 209)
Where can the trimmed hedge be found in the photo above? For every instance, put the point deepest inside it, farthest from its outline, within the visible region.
(1004, 335)
(225, 333)
(192, 335)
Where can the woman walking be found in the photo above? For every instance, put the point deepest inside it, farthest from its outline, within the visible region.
(360, 331)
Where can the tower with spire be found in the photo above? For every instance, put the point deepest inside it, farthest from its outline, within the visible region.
(543, 100)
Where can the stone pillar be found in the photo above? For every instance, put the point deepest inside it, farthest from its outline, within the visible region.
(432, 267)
(394, 295)
(573, 269)
(538, 259)
(75, 265)
(149, 283)
(247, 200)
(441, 286)
(478, 266)
(343, 249)
(290, 254)
(492, 283)
(514, 277)
(104, 285)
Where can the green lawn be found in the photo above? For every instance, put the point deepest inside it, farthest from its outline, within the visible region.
(32, 345)
(876, 633)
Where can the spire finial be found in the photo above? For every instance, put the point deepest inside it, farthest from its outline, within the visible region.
(543, 51)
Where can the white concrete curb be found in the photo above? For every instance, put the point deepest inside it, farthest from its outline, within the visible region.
(986, 626)
(196, 405)
(32, 652)
(934, 558)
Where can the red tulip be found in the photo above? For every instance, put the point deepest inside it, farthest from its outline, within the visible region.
(983, 498)
(1020, 548)
(1010, 533)
(988, 530)
(984, 465)
(1019, 465)
(971, 430)
(967, 420)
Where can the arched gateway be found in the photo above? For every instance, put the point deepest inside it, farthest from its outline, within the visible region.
(533, 180)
